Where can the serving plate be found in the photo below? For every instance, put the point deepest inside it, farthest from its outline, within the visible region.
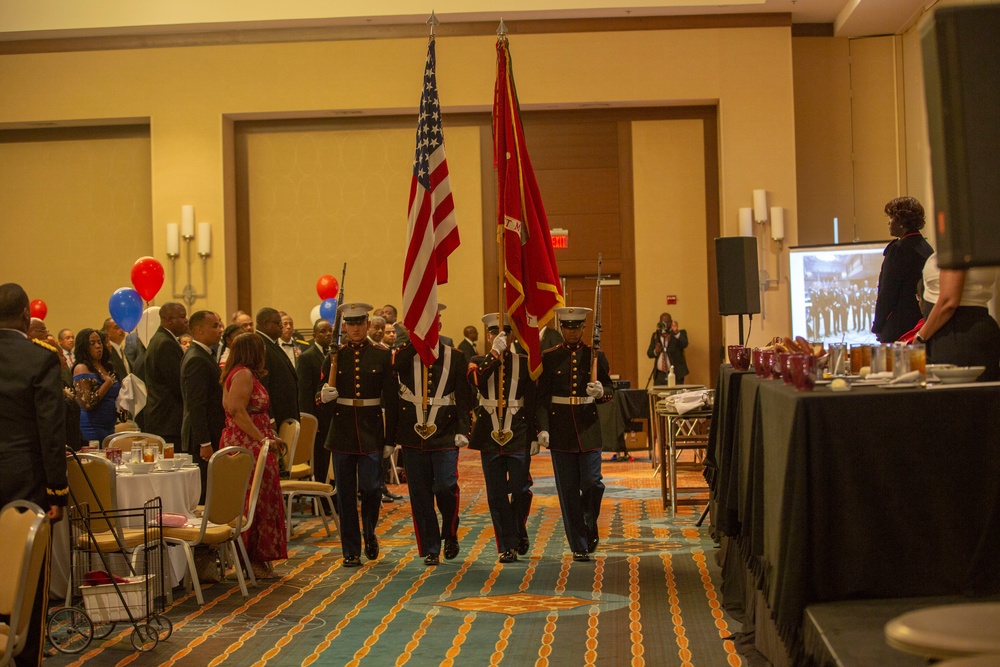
(959, 374)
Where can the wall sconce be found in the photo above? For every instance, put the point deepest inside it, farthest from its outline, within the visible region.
(762, 214)
(760, 206)
(186, 231)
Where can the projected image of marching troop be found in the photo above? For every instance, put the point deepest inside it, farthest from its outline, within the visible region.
(840, 308)
(489, 403)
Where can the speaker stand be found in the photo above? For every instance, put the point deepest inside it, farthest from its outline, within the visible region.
(742, 342)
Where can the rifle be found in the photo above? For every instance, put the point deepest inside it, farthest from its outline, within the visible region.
(596, 343)
(337, 329)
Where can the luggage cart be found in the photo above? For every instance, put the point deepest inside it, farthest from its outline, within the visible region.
(140, 600)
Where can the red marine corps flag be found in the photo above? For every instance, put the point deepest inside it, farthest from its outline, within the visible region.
(533, 290)
(432, 232)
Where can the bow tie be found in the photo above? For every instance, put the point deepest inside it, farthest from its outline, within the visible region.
(288, 345)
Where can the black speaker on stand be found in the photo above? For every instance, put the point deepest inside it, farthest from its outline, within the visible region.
(738, 277)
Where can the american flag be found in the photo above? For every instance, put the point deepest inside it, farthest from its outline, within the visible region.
(432, 233)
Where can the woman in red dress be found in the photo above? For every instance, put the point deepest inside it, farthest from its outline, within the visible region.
(247, 425)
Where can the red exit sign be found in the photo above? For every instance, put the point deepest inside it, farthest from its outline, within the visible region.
(560, 238)
(671, 299)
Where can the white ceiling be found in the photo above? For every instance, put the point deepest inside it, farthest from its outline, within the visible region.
(40, 19)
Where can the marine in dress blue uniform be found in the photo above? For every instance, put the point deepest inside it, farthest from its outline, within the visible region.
(504, 440)
(358, 435)
(431, 436)
(567, 422)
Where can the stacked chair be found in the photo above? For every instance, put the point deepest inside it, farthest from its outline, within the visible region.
(301, 481)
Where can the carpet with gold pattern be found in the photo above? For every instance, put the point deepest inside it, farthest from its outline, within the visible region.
(648, 597)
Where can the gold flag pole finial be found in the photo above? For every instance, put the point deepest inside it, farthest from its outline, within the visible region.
(502, 29)
(432, 22)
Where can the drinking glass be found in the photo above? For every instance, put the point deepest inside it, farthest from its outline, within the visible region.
(878, 362)
(758, 365)
(857, 358)
(168, 450)
(918, 358)
(838, 359)
(803, 369)
(136, 452)
(887, 348)
(149, 452)
(766, 364)
(739, 357)
(900, 359)
(786, 371)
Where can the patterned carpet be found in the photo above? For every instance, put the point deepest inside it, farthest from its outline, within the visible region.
(649, 597)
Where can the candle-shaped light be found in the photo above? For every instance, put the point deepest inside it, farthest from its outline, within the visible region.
(187, 221)
(760, 205)
(173, 243)
(204, 239)
(746, 222)
(777, 223)
(836, 232)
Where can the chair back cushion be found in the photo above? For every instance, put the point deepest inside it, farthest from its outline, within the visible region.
(288, 433)
(229, 472)
(99, 494)
(308, 425)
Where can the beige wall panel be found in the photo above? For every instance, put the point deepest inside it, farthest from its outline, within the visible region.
(824, 173)
(569, 191)
(878, 144)
(670, 220)
(75, 217)
(918, 152)
(318, 199)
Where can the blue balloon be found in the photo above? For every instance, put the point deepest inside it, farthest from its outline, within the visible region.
(328, 309)
(125, 307)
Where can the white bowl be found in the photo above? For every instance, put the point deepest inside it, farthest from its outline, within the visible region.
(140, 468)
(959, 374)
(166, 464)
(182, 460)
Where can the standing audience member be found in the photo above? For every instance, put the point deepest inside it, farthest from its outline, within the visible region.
(666, 345)
(376, 331)
(280, 381)
(204, 418)
(243, 321)
(38, 332)
(228, 334)
(164, 411)
(389, 338)
(67, 342)
(390, 314)
(312, 374)
(431, 430)
(95, 386)
(566, 417)
(896, 307)
(447, 340)
(116, 344)
(287, 341)
(247, 425)
(185, 341)
(359, 436)
(504, 439)
(468, 344)
(959, 329)
(32, 430)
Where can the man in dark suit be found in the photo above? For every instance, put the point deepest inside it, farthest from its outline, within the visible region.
(312, 372)
(390, 314)
(359, 435)
(164, 409)
(281, 383)
(567, 410)
(116, 341)
(468, 344)
(204, 417)
(32, 433)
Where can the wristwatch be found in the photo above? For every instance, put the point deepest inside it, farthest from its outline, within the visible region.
(920, 339)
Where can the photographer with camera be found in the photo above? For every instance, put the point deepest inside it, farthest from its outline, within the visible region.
(666, 346)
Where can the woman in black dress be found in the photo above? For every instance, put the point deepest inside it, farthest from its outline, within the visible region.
(896, 307)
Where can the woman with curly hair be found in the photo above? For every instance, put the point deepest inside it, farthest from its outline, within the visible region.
(248, 423)
(95, 385)
(896, 307)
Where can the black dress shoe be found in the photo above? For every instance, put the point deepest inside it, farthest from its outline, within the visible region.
(592, 544)
(371, 548)
(581, 557)
(352, 561)
(432, 559)
(508, 556)
(394, 496)
(450, 548)
(387, 498)
(522, 547)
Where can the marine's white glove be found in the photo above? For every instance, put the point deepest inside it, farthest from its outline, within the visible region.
(543, 439)
(388, 450)
(461, 441)
(534, 448)
(328, 394)
(500, 343)
(595, 389)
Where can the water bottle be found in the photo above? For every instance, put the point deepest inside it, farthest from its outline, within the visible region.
(671, 378)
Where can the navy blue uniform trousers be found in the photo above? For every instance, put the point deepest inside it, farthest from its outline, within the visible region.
(432, 475)
(508, 492)
(353, 472)
(578, 482)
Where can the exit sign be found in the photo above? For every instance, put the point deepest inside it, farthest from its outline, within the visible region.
(560, 238)
(671, 299)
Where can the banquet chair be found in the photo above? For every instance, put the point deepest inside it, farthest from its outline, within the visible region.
(300, 456)
(93, 491)
(25, 529)
(258, 476)
(288, 433)
(303, 484)
(229, 472)
(123, 440)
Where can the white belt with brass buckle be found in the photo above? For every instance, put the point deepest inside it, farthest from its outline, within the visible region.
(572, 400)
(360, 402)
(417, 400)
(492, 403)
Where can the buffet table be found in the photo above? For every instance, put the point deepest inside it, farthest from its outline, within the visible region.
(871, 493)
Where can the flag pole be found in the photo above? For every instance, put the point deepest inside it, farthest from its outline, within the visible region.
(502, 264)
(433, 22)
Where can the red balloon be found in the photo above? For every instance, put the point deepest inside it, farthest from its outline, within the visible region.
(327, 287)
(147, 277)
(39, 309)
